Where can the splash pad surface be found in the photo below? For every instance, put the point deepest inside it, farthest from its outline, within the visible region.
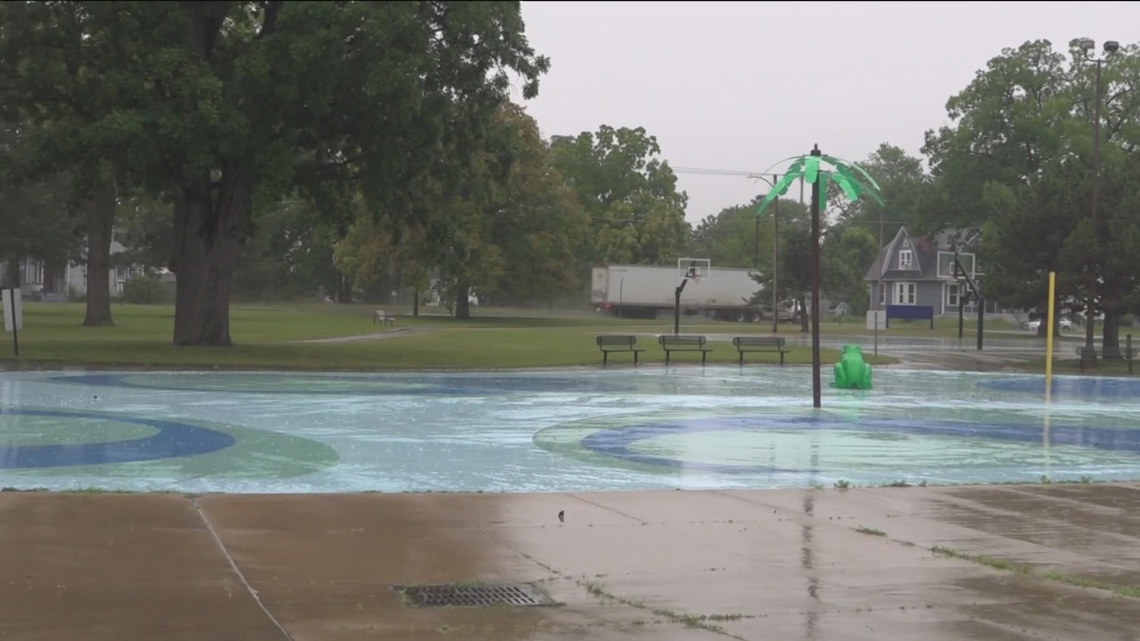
(578, 430)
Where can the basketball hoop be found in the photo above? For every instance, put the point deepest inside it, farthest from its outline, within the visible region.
(693, 269)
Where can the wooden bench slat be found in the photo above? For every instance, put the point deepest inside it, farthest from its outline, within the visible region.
(618, 343)
(773, 344)
(684, 343)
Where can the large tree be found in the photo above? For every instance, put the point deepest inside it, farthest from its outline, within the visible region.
(735, 237)
(224, 105)
(847, 252)
(37, 218)
(65, 66)
(537, 223)
(1019, 159)
(512, 235)
(906, 192)
(636, 213)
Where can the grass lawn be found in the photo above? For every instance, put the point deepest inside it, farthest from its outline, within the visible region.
(288, 336)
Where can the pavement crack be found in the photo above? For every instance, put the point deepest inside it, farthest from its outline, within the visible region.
(237, 571)
(598, 590)
(607, 508)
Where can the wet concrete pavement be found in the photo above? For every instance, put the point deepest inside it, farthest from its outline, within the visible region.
(1012, 562)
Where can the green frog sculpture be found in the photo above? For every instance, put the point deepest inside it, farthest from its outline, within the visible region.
(851, 372)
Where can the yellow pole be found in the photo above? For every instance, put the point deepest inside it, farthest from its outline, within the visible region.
(1045, 437)
(1049, 334)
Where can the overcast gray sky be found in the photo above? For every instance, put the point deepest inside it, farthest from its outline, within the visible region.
(740, 85)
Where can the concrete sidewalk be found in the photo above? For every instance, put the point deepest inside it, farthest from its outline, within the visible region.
(1008, 562)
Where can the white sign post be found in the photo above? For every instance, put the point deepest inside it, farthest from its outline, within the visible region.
(13, 315)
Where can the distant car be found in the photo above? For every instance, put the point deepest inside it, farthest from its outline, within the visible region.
(1033, 325)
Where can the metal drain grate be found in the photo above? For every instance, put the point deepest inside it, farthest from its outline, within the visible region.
(435, 596)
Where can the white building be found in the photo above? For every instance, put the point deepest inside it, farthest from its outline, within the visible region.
(40, 280)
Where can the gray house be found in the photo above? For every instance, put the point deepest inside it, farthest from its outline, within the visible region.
(920, 271)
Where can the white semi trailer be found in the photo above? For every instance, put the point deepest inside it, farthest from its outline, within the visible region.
(642, 291)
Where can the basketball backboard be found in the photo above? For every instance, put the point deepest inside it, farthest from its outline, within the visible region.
(694, 268)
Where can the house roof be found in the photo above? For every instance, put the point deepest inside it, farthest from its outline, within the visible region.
(885, 266)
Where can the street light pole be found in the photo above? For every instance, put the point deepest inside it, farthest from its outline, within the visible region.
(775, 262)
(775, 250)
(1088, 354)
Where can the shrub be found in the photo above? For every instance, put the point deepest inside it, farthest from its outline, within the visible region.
(145, 291)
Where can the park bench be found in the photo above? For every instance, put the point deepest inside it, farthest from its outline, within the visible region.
(684, 343)
(383, 318)
(760, 344)
(618, 343)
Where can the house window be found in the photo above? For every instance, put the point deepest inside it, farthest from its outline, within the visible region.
(906, 258)
(905, 293)
(33, 272)
(952, 295)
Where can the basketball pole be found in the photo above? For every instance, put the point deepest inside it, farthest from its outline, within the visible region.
(690, 273)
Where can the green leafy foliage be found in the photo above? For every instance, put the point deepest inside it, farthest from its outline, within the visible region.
(905, 190)
(36, 215)
(145, 291)
(225, 106)
(845, 257)
(513, 235)
(636, 213)
(1019, 159)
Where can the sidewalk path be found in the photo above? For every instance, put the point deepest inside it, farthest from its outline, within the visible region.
(1007, 563)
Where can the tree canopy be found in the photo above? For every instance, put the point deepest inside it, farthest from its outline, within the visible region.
(1019, 160)
(636, 213)
(224, 106)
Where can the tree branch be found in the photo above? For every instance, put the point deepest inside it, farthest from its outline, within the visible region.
(269, 22)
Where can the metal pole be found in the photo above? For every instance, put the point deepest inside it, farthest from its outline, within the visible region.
(1089, 354)
(815, 365)
(981, 318)
(961, 315)
(961, 300)
(756, 246)
(677, 306)
(677, 309)
(880, 296)
(775, 262)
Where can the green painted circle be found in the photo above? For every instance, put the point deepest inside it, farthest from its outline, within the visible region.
(22, 430)
(255, 454)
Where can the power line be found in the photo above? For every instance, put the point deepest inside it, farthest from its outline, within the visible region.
(719, 172)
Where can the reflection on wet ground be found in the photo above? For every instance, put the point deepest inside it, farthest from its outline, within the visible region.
(820, 564)
(579, 430)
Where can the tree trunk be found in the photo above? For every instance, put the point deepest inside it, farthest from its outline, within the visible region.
(804, 320)
(1110, 335)
(343, 289)
(100, 220)
(462, 304)
(208, 218)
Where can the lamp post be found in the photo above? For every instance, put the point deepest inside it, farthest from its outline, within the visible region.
(775, 250)
(1087, 45)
